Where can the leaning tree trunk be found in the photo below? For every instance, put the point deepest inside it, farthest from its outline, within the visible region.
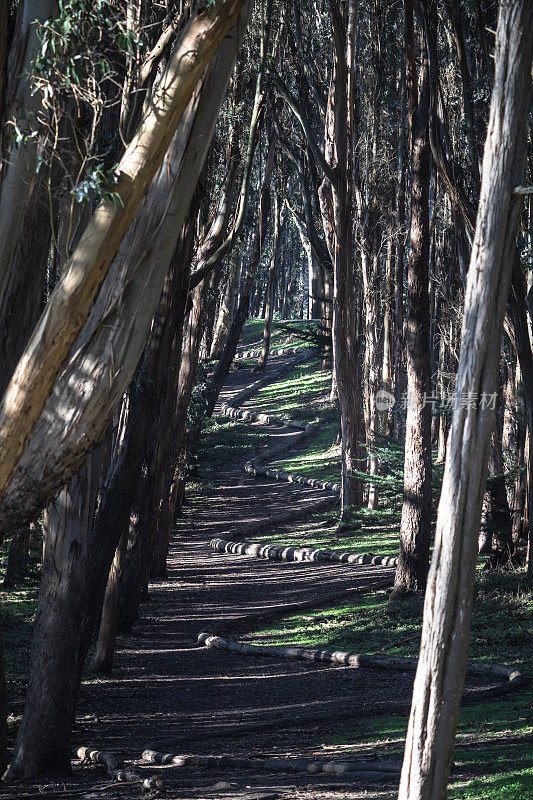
(111, 342)
(105, 646)
(71, 300)
(156, 376)
(448, 604)
(142, 279)
(413, 562)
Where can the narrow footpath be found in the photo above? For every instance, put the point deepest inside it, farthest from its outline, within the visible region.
(173, 695)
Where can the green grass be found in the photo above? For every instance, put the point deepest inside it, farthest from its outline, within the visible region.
(492, 759)
(300, 394)
(225, 440)
(319, 530)
(489, 745)
(294, 333)
(502, 628)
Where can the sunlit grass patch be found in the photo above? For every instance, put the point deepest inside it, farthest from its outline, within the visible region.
(302, 394)
(492, 748)
(293, 333)
(224, 440)
(501, 626)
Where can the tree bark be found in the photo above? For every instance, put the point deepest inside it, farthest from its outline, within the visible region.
(415, 529)
(70, 303)
(104, 356)
(346, 302)
(449, 596)
(227, 306)
(43, 741)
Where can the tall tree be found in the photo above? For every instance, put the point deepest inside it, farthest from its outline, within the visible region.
(413, 563)
(448, 604)
(72, 298)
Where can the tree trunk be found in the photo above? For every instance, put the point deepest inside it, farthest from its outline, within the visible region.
(346, 298)
(105, 647)
(279, 221)
(71, 301)
(448, 604)
(79, 410)
(43, 741)
(241, 315)
(369, 267)
(17, 177)
(17, 562)
(156, 405)
(227, 306)
(413, 563)
(496, 530)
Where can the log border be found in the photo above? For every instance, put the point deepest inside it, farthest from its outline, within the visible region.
(284, 552)
(513, 678)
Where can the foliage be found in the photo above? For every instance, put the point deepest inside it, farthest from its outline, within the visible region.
(79, 73)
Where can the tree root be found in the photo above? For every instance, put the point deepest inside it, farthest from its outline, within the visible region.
(369, 770)
(305, 554)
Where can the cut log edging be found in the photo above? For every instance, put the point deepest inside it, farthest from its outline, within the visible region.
(280, 351)
(285, 552)
(369, 770)
(114, 767)
(513, 678)
(248, 391)
(255, 466)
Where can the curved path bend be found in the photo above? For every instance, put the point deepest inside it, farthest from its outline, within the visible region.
(172, 694)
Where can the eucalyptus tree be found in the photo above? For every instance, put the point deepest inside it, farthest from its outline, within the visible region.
(413, 563)
(184, 105)
(70, 303)
(448, 604)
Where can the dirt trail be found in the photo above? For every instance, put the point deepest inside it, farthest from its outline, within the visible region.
(166, 686)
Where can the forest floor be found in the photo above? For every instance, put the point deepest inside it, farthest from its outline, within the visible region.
(170, 694)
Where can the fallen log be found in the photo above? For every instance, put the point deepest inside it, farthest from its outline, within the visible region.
(513, 678)
(114, 768)
(370, 770)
